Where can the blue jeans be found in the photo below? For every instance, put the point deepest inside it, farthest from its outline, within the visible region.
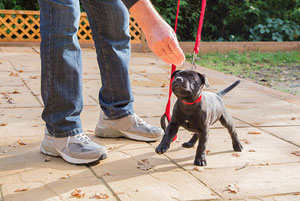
(62, 66)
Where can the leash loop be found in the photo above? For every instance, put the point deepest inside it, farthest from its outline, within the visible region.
(194, 60)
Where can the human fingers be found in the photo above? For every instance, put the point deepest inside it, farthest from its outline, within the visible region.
(176, 50)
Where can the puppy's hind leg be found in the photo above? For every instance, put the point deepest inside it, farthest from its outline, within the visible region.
(191, 142)
(227, 122)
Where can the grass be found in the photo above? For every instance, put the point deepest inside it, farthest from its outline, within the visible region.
(280, 70)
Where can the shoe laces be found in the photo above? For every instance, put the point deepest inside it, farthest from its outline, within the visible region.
(138, 120)
(83, 138)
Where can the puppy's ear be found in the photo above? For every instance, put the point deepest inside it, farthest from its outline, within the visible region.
(204, 79)
(174, 73)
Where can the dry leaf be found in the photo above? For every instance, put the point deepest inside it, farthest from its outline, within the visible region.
(34, 77)
(198, 169)
(21, 143)
(236, 154)
(144, 164)
(297, 193)
(244, 166)
(254, 132)
(12, 74)
(232, 188)
(22, 189)
(252, 150)
(119, 193)
(15, 92)
(297, 153)
(163, 85)
(101, 196)
(35, 125)
(66, 177)
(3, 124)
(263, 164)
(4, 151)
(107, 174)
(207, 152)
(21, 71)
(78, 193)
(293, 118)
(143, 71)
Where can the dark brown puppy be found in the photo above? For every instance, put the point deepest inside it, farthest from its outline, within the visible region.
(196, 110)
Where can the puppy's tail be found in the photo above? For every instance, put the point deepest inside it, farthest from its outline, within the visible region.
(229, 88)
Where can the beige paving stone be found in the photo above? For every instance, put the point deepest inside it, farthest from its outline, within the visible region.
(27, 62)
(288, 133)
(6, 80)
(268, 149)
(253, 181)
(124, 155)
(20, 97)
(291, 197)
(5, 65)
(13, 49)
(149, 105)
(21, 122)
(160, 186)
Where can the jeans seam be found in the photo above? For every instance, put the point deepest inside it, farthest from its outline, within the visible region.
(105, 62)
(50, 76)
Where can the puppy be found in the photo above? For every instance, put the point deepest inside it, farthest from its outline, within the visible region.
(196, 110)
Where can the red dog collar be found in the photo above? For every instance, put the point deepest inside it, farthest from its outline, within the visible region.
(196, 101)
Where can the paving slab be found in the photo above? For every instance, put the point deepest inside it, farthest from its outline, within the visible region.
(253, 181)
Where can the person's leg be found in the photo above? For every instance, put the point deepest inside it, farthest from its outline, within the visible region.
(109, 21)
(61, 84)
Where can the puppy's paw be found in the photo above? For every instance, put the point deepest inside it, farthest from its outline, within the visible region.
(237, 146)
(187, 145)
(200, 162)
(162, 148)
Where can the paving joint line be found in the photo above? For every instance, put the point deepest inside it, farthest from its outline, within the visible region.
(105, 183)
(182, 168)
(268, 132)
(27, 85)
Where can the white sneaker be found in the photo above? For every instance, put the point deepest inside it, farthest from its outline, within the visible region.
(132, 127)
(78, 149)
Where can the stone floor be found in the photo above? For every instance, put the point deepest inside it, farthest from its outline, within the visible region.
(267, 169)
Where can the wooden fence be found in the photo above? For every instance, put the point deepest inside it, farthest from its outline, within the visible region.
(24, 26)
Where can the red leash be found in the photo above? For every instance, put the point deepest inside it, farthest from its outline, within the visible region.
(195, 52)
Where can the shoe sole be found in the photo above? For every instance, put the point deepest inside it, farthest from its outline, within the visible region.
(113, 133)
(70, 159)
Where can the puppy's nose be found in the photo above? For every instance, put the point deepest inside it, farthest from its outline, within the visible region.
(179, 79)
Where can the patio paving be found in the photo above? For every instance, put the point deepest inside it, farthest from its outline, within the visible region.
(268, 169)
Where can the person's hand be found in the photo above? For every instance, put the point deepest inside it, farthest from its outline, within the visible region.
(163, 42)
(159, 35)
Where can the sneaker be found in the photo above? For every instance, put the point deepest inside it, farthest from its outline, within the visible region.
(132, 127)
(78, 149)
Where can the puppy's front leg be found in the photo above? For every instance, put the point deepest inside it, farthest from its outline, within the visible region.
(200, 159)
(171, 131)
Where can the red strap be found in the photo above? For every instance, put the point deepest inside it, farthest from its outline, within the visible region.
(196, 101)
(198, 38)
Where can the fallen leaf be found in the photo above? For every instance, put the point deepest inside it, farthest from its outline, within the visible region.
(119, 193)
(297, 193)
(101, 196)
(163, 85)
(198, 169)
(297, 153)
(22, 189)
(263, 164)
(66, 177)
(4, 151)
(12, 74)
(254, 132)
(143, 71)
(90, 130)
(232, 188)
(18, 116)
(3, 124)
(34, 77)
(15, 92)
(78, 193)
(21, 143)
(207, 152)
(252, 150)
(21, 71)
(136, 190)
(107, 174)
(144, 164)
(293, 118)
(244, 166)
(236, 154)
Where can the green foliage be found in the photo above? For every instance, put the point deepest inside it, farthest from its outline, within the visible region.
(225, 20)
(277, 30)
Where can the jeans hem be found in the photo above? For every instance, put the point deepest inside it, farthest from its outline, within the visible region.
(73, 132)
(125, 114)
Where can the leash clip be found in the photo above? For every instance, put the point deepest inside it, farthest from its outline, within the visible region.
(193, 61)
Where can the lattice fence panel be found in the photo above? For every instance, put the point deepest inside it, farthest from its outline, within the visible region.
(24, 26)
